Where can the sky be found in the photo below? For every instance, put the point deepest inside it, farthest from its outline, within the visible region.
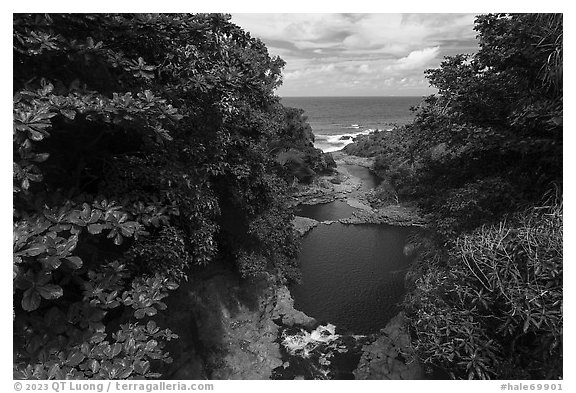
(372, 54)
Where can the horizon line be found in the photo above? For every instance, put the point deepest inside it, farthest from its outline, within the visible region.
(359, 96)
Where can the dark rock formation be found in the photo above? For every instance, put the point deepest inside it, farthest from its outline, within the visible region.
(391, 356)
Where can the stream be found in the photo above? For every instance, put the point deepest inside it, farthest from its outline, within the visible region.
(352, 275)
(352, 283)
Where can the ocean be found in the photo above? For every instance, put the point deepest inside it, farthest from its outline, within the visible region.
(336, 120)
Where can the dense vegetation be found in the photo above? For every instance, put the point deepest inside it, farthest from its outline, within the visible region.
(483, 159)
(144, 145)
(148, 146)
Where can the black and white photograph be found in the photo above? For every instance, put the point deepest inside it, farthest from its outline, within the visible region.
(287, 196)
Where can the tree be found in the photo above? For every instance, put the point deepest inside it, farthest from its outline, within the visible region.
(140, 148)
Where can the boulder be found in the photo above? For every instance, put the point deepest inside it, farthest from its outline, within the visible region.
(391, 355)
(287, 314)
(303, 224)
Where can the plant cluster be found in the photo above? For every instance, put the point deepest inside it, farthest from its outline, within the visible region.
(494, 308)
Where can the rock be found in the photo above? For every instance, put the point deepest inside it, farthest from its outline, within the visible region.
(381, 359)
(355, 203)
(230, 321)
(329, 160)
(303, 224)
(285, 311)
(391, 215)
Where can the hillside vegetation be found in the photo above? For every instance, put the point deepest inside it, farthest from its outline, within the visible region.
(483, 159)
(144, 145)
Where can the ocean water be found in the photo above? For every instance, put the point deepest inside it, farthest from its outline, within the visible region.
(335, 121)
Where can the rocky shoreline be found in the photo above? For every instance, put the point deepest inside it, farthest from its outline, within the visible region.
(344, 186)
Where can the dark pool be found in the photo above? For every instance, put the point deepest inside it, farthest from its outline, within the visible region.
(325, 211)
(353, 275)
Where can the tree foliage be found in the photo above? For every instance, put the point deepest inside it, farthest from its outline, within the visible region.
(491, 139)
(486, 302)
(141, 148)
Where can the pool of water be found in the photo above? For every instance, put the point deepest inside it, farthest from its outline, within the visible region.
(369, 180)
(352, 275)
(325, 211)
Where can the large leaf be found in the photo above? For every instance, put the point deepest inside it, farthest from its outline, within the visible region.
(50, 291)
(95, 229)
(31, 299)
(34, 250)
(70, 245)
(75, 358)
(74, 262)
(94, 365)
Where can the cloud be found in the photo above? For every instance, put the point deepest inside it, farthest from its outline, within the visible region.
(417, 59)
(359, 54)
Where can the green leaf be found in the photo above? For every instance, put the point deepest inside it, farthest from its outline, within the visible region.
(41, 157)
(118, 240)
(94, 365)
(35, 135)
(116, 349)
(50, 291)
(86, 212)
(75, 262)
(34, 250)
(95, 229)
(75, 358)
(151, 327)
(70, 114)
(526, 325)
(124, 373)
(98, 337)
(141, 367)
(171, 285)
(54, 372)
(70, 245)
(52, 263)
(31, 299)
(151, 345)
(150, 311)
(130, 346)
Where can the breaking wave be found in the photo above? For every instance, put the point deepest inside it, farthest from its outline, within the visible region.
(335, 142)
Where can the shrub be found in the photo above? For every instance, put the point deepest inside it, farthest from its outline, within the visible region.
(494, 310)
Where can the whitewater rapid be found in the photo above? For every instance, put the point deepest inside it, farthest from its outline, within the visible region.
(334, 142)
